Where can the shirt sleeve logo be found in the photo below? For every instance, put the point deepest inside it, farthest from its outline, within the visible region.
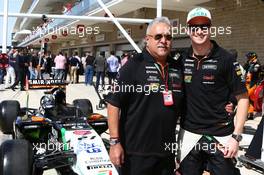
(237, 68)
(187, 78)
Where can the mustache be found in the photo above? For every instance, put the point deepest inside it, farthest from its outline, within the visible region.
(162, 46)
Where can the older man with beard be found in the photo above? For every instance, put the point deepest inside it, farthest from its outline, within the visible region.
(145, 105)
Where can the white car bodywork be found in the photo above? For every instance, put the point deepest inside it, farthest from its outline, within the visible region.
(92, 156)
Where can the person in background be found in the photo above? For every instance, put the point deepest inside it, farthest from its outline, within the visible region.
(253, 69)
(89, 70)
(100, 65)
(44, 66)
(2, 74)
(3, 63)
(67, 67)
(10, 71)
(79, 67)
(40, 60)
(125, 58)
(33, 63)
(113, 65)
(83, 59)
(49, 63)
(74, 64)
(22, 65)
(27, 57)
(60, 63)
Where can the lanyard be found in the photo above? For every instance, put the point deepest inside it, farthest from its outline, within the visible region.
(163, 77)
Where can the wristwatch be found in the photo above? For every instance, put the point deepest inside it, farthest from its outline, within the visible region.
(237, 137)
(114, 141)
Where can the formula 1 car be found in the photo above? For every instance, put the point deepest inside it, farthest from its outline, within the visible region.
(254, 156)
(57, 136)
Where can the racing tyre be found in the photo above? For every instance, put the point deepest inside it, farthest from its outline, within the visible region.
(16, 157)
(84, 105)
(65, 171)
(9, 111)
(17, 134)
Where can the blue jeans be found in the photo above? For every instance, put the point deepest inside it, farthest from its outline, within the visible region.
(59, 74)
(89, 71)
(32, 73)
(1, 76)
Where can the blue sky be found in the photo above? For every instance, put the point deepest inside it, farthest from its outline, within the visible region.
(14, 6)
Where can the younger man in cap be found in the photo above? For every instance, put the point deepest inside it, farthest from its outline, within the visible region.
(211, 75)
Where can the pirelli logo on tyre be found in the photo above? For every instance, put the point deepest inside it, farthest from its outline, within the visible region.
(92, 167)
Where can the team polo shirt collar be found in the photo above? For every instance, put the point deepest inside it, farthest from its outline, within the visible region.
(150, 59)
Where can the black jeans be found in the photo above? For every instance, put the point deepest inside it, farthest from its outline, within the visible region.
(205, 155)
(98, 76)
(111, 77)
(148, 165)
(21, 79)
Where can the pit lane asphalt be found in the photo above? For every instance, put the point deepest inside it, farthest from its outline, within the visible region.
(80, 91)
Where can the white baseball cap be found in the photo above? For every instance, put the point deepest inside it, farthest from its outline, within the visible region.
(199, 15)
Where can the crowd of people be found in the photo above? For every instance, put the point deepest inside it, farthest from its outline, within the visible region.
(25, 64)
(30, 64)
(254, 74)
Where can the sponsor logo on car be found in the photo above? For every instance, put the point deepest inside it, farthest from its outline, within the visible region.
(82, 132)
(89, 148)
(105, 172)
(97, 160)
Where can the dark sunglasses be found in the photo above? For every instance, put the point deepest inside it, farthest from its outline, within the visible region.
(203, 27)
(159, 36)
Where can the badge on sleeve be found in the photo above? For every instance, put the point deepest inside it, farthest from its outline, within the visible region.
(167, 98)
(237, 68)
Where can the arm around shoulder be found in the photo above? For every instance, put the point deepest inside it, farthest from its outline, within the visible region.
(242, 110)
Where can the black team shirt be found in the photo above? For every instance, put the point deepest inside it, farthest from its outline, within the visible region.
(209, 82)
(146, 124)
